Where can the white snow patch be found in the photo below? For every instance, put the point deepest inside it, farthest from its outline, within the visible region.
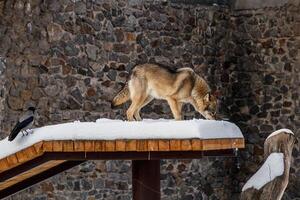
(107, 129)
(284, 130)
(272, 167)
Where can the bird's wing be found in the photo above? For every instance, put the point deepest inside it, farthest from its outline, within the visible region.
(18, 127)
(26, 122)
(25, 116)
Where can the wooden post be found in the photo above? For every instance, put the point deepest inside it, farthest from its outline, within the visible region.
(273, 190)
(146, 179)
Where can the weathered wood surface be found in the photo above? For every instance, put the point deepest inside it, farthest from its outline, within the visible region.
(22, 161)
(117, 146)
(280, 143)
(30, 173)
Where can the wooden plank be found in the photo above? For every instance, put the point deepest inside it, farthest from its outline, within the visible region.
(20, 157)
(68, 146)
(175, 145)
(99, 146)
(218, 144)
(3, 165)
(211, 144)
(79, 146)
(12, 160)
(89, 146)
(57, 146)
(196, 145)
(238, 143)
(39, 147)
(48, 146)
(30, 152)
(153, 145)
(225, 144)
(142, 145)
(164, 145)
(131, 145)
(110, 145)
(120, 145)
(30, 173)
(186, 145)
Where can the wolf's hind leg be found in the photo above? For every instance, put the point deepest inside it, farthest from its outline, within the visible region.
(144, 103)
(139, 106)
(137, 88)
(175, 108)
(133, 111)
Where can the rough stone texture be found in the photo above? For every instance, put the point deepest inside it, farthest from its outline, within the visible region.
(69, 58)
(264, 64)
(256, 4)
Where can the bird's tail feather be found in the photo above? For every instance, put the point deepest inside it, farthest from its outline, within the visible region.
(14, 133)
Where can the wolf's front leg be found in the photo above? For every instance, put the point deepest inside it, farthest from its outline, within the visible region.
(137, 115)
(175, 108)
(129, 115)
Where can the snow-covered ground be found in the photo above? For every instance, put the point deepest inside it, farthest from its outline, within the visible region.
(272, 167)
(107, 129)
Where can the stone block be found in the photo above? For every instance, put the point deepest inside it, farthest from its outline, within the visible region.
(15, 103)
(92, 52)
(296, 29)
(55, 32)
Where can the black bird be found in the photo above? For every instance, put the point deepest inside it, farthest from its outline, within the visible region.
(25, 122)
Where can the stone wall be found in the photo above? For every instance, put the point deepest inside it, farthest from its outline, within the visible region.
(264, 67)
(69, 58)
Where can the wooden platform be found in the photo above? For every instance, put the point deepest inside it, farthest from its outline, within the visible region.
(47, 158)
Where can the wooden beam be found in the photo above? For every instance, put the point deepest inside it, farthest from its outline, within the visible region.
(137, 155)
(164, 145)
(146, 179)
(5, 175)
(155, 155)
(38, 178)
(27, 174)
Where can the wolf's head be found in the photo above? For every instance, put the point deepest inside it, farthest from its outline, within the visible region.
(210, 106)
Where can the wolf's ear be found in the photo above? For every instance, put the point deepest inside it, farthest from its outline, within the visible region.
(207, 97)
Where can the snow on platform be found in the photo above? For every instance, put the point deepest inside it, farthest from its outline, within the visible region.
(272, 168)
(107, 129)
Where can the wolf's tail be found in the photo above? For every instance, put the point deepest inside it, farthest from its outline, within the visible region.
(121, 97)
